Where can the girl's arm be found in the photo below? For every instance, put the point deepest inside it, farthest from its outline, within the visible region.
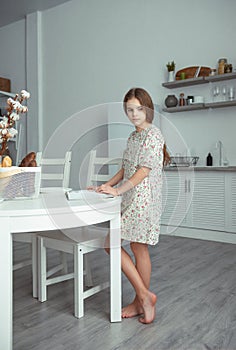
(136, 179)
(112, 182)
(116, 178)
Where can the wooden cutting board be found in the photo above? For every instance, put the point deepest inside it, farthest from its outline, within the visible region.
(193, 72)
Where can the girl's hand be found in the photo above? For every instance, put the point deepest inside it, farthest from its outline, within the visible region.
(92, 188)
(107, 189)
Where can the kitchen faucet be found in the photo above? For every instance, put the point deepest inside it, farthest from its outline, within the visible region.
(219, 145)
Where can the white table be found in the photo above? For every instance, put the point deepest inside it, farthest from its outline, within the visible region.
(50, 212)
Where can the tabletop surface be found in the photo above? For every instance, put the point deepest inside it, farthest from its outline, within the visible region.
(56, 202)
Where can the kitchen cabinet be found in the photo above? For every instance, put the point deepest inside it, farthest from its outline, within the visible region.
(176, 197)
(231, 202)
(197, 81)
(208, 201)
(200, 199)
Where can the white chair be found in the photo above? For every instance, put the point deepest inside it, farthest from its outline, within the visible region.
(61, 176)
(99, 168)
(55, 170)
(86, 242)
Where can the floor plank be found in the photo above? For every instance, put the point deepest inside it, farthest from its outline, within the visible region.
(196, 286)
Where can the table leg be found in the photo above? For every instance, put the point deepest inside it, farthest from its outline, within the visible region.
(6, 285)
(115, 270)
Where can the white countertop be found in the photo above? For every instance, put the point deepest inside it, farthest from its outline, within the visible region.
(201, 168)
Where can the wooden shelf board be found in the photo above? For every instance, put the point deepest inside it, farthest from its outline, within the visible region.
(198, 106)
(185, 82)
(199, 80)
(191, 107)
(220, 77)
(220, 104)
(10, 94)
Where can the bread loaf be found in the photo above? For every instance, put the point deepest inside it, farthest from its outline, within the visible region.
(33, 163)
(29, 160)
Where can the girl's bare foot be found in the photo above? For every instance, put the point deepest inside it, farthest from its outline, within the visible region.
(132, 310)
(149, 308)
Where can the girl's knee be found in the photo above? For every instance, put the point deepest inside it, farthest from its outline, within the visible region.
(138, 247)
(107, 244)
(107, 250)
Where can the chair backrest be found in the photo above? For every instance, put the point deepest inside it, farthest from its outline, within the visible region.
(101, 169)
(55, 169)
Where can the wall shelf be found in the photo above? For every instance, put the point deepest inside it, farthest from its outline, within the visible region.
(9, 94)
(3, 96)
(220, 104)
(199, 106)
(199, 80)
(186, 108)
(185, 82)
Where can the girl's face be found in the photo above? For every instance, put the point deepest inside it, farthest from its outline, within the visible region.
(136, 114)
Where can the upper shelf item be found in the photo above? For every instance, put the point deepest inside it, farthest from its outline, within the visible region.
(192, 72)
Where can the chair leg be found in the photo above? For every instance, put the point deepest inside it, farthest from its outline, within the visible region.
(64, 262)
(35, 266)
(78, 282)
(42, 273)
(88, 274)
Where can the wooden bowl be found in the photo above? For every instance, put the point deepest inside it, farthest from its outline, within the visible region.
(193, 72)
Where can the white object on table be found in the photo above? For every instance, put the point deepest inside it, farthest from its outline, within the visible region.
(86, 195)
(48, 212)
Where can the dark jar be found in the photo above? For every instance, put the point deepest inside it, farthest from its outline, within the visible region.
(171, 101)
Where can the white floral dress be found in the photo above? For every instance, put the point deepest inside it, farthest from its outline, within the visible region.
(141, 206)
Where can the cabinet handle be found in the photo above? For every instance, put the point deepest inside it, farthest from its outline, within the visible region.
(189, 185)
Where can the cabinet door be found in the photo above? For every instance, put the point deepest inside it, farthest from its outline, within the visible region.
(208, 202)
(231, 202)
(174, 209)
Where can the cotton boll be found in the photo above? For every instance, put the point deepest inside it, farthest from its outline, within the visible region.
(17, 105)
(4, 131)
(14, 116)
(25, 94)
(10, 101)
(12, 132)
(24, 109)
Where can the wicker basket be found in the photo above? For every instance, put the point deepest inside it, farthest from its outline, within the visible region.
(183, 161)
(19, 182)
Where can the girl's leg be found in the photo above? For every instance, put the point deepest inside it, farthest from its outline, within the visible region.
(143, 266)
(145, 299)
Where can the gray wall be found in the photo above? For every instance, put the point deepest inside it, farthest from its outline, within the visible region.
(101, 49)
(93, 51)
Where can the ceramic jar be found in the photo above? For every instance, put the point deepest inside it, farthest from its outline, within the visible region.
(221, 65)
(171, 101)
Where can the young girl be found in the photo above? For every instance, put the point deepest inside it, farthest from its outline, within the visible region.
(141, 186)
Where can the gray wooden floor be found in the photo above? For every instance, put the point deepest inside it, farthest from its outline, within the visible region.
(196, 286)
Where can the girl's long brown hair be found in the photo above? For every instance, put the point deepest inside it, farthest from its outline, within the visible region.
(145, 101)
